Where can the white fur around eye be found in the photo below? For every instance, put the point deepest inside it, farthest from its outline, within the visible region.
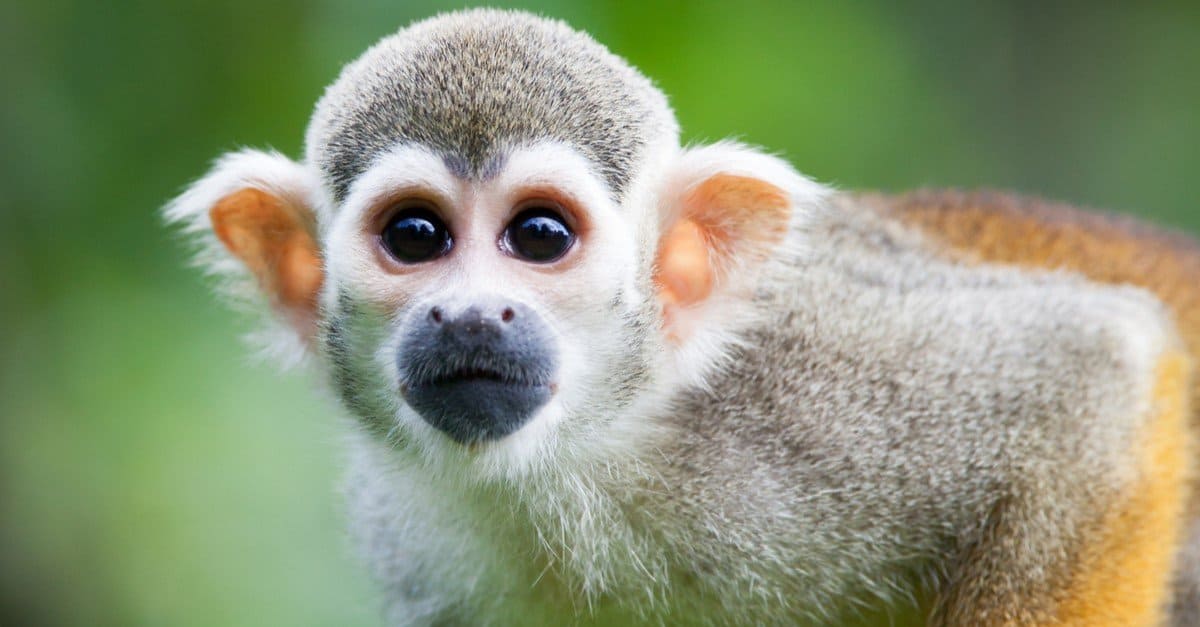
(405, 167)
(552, 164)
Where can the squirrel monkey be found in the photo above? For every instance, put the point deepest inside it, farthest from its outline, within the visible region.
(600, 378)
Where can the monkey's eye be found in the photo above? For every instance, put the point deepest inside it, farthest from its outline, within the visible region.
(538, 234)
(416, 234)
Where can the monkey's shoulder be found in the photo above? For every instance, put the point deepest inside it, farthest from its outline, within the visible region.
(873, 323)
(1008, 229)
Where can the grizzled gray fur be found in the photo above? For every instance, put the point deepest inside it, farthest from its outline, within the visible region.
(473, 84)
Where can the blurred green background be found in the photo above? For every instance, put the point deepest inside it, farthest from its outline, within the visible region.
(153, 474)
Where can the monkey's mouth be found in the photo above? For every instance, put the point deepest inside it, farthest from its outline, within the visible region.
(478, 401)
(470, 375)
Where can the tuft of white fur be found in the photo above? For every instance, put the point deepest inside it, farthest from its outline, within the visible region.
(270, 172)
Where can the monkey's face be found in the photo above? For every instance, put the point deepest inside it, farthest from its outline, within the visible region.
(497, 245)
(489, 310)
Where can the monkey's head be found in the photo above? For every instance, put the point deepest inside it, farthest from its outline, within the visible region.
(496, 246)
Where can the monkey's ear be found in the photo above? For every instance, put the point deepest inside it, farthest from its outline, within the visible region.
(725, 209)
(254, 215)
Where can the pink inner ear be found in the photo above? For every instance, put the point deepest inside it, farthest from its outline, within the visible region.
(725, 220)
(274, 242)
(685, 275)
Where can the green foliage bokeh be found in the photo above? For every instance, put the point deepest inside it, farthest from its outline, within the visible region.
(152, 474)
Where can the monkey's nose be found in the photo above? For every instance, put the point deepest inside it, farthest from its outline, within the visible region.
(476, 325)
(506, 315)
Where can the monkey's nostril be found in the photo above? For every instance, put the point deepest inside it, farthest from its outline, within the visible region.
(436, 314)
(508, 314)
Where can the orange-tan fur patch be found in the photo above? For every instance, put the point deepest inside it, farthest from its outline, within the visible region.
(1123, 577)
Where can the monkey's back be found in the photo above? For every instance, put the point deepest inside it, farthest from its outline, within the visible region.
(1009, 229)
(1003, 228)
(994, 227)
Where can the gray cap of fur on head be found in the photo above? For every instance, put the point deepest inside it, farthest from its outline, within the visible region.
(472, 85)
